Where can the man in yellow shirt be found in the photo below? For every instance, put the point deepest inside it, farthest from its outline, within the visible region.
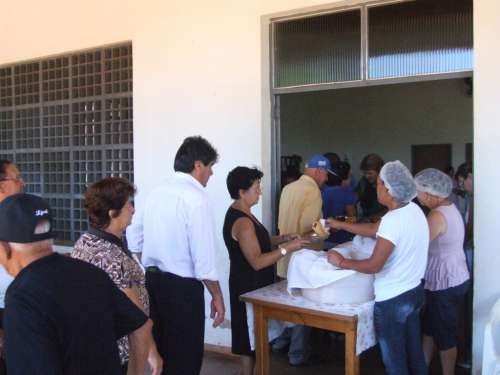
(301, 203)
(300, 206)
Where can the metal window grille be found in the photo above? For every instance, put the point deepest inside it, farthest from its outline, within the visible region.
(67, 121)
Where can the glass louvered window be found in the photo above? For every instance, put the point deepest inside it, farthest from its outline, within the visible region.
(66, 122)
(318, 49)
(401, 39)
(420, 37)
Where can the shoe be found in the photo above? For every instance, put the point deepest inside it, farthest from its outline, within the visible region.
(280, 346)
(299, 360)
(298, 363)
(465, 363)
(313, 360)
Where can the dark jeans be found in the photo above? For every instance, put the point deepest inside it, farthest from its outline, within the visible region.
(397, 325)
(177, 308)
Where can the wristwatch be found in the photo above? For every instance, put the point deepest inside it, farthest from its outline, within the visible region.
(283, 250)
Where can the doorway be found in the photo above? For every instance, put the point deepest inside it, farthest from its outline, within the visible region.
(396, 83)
(364, 56)
(431, 156)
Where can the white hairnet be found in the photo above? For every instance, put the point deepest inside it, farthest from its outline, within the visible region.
(399, 181)
(434, 182)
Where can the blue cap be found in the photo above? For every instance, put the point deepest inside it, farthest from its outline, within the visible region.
(319, 161)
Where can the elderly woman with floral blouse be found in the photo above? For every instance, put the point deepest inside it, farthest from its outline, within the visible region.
(109, 207)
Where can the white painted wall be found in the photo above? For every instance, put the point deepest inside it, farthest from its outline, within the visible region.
(486, 172)
(380, 119)
(197, 70)
(201, 68)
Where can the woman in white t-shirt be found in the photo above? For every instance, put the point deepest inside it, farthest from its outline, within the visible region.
(398, 262)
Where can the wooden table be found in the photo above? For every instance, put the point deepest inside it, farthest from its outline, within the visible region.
(265, 310)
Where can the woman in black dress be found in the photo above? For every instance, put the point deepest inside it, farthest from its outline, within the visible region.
(252, 253)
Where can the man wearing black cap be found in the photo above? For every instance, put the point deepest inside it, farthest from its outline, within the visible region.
(11, 183)
(62, 316)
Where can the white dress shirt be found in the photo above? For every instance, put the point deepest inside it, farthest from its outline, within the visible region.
(175, 230)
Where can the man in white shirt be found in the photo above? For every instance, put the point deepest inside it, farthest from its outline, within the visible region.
(175, 231)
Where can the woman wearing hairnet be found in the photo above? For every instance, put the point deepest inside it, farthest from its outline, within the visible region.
(446, 276)
(398, 261)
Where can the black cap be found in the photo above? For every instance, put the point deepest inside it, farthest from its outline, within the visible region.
(20, 216)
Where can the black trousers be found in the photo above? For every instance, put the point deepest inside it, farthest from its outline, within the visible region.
(177, 308)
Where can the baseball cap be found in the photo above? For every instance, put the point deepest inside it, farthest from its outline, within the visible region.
(319, 161)
(20, 216)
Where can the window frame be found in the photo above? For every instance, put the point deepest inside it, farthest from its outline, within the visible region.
(365, 79)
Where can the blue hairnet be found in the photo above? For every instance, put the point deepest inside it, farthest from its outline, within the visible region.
(434, 182)
(399, 181)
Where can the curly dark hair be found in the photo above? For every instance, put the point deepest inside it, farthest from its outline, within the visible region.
(110, 193)
(241, 178)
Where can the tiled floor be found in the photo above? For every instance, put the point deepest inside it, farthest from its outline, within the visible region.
(218, 364)
(328, 359)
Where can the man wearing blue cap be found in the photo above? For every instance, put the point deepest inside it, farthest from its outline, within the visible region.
(300, 207)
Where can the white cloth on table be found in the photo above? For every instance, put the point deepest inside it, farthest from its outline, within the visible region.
(363, 246)
(275, 327)
(277, 293)
(310, 269)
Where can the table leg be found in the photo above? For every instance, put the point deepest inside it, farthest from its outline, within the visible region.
(351, 359)
(261, 342)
